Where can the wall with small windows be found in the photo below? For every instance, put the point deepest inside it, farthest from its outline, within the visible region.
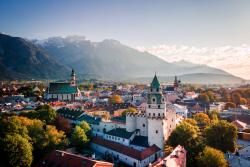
(142, 125)
(124, 158)
(120, 140)
(155, 132)
(103, 126)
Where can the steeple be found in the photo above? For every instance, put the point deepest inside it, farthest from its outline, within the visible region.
(176, 82)
(73, 78)
(155, 93)
(155, 83)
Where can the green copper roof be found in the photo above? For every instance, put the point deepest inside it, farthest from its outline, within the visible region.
(155, 83)
(62, 88)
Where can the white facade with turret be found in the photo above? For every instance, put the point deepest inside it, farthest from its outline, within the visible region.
(157, 122)
(141, 140)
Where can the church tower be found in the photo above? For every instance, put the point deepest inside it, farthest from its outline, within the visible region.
(73, 78)
(160, 117)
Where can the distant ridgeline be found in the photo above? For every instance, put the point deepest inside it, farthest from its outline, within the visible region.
(107, 60)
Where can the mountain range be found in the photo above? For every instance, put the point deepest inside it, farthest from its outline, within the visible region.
(54, 57)
(21, 59)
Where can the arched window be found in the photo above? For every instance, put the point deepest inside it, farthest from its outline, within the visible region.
(153, 99)
(159, 106)
(159, 114)
(143, 125)
(153, 114)
(156, 131)
(157, 89)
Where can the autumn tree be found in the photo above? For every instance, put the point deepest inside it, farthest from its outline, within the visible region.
(236, 98)
(212, 157)
(54, 139)
(243, 101)
(63, 124)
(214, 116)
(44, 113)
(203, 97)
(129, 110)
(211, 96)
(229, 105)
(202, 119)
(43, 137)
(17, 151)
(79, 139)
(190, 121)
(85, 126)
(221, 135)
(10, 125)
(115, 99)
(187, 135)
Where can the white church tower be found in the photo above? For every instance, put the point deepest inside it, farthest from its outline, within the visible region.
(161, 116)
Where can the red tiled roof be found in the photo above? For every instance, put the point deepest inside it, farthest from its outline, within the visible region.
(239, 124)
(61, 159)
(136, 154)
(174, 159)
(243, 118)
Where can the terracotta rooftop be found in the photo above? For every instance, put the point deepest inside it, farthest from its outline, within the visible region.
(176, 159)
(131, 152)
(243, 118)
(239, 124)
(65, 159)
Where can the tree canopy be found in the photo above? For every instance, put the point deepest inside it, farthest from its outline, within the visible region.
(17, 151)
(44, 113)
(221, 135)
(79, 139)
(229, 105)
(129, 110)
(203, 97)
(212, 157)
(202, 119)
(115, 99)
(63, 124)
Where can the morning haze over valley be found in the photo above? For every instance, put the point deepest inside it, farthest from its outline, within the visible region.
(112, 83)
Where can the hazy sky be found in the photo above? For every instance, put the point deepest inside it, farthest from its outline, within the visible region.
(204, 25)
